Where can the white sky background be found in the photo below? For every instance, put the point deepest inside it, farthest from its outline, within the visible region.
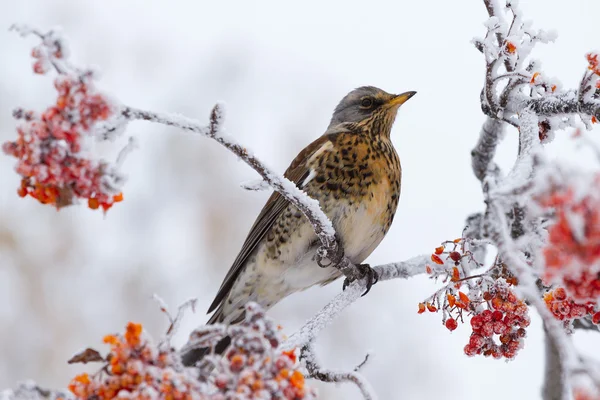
(281, 70)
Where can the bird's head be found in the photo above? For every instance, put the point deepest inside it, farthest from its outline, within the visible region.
(371, 108)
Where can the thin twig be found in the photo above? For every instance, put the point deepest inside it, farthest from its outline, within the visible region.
(308, 357)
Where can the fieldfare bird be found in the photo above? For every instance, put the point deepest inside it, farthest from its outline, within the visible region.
(354, 172)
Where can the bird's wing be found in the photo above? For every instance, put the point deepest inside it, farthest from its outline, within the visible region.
(297, 172)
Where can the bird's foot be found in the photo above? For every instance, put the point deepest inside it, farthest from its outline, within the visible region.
(365, 271)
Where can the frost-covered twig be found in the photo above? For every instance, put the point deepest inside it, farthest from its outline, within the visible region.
(30, 390)
(314, 326)
(307, 355)
(322, 226)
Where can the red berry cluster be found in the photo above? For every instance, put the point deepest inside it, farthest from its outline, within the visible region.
(506, 316)
(573, 252)
(565, 308)
(584, 394)
(594, 65)
(251, 367)
(48, 146)
(453, 255)
(137, 369)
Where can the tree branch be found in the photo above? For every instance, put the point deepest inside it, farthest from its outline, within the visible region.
(308, 356)
(554, 374)
(484, 151)
(310, 330)
(330, 247)
(567, 103)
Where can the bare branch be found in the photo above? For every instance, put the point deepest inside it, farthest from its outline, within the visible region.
(307, 355)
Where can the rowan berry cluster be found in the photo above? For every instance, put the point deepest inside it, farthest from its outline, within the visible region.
(584, 394)
(573, 252)
(250, 368)
(49, 146)
(506, 316)
(594, 65)
(137, 369)
(565, 308)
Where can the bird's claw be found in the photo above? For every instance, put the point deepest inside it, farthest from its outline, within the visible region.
(365, 271)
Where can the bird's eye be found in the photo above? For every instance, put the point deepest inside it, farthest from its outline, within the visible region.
(366, 102)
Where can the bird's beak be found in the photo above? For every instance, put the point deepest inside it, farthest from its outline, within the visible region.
(400, 99)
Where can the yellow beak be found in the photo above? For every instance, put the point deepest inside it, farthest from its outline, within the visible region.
(400, 99)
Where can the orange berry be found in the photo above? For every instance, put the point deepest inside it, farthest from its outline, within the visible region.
(93, 203)
(111, 339)
(133, 333)
(291, 355)
(439, 250)
(421, 308)
(297, 380)
(431, 307)
(118, 197)
(511, 48)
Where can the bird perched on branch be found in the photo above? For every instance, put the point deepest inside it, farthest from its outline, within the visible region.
(354, 172)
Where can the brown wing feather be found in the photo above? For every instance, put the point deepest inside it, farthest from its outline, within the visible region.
(296, 172)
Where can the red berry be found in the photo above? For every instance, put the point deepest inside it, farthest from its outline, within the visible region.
(451, 324)
(497, 315)
(477, 322)
(486, 315)
(455, 256)
(487, 329)
(596, 318)
(560, 294)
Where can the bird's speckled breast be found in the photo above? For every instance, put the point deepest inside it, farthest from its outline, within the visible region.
(357, 182)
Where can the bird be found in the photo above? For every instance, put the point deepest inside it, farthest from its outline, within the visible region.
(354, 172)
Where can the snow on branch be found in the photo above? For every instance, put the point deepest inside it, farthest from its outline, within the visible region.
(309, 207)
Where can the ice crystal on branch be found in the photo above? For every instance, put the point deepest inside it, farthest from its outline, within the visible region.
(49, 148)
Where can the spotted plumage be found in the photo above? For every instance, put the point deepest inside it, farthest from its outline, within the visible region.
(354, 172)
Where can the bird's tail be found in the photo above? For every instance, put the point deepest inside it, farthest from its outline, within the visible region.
(192, 356)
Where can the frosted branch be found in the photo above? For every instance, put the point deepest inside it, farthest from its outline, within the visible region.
(307, 355)
(330, 248)
(316, 324)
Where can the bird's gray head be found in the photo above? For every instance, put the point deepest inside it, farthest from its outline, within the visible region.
(369, 105)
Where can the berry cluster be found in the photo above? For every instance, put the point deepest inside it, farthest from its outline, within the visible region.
(49, 145)
(456, 254)
(506, 316)
(250, 368)
(584, 394)
(565, 308)
(138, 369)
(594, 65)
(573, 253)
